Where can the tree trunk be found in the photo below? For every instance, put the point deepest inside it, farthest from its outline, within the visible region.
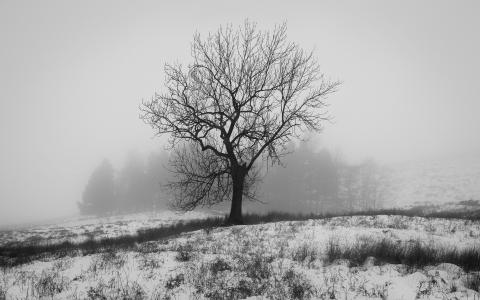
(238, 180)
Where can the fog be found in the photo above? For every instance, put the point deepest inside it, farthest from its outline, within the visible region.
(73, 74)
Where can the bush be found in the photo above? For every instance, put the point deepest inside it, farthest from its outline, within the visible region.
(243, 289)
(174, 282)
(305, 253)
(107, 260)
(97, 293)
(413, 253)
(246, 275)
(219, 265)
(257, 266)
(50, 283)
(333, 250)
(298, 286)
(184, 253)
(472, 281)
(397, 222)
(148, 263)
(116, 290)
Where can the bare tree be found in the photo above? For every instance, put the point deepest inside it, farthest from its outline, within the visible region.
(246, 94)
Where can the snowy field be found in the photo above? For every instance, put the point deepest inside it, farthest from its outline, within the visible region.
(440, 181)
(283, 260)
(84, 228)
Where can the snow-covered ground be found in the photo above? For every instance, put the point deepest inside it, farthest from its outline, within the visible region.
(83, 228)
(435, 181)
(284, 260)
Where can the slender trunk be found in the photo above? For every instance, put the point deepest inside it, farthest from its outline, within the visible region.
(238, 180)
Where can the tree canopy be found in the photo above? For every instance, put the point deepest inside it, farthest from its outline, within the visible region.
(99, 194)
(244, 96)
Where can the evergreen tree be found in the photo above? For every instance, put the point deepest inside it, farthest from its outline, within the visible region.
(99, 194)
(135, 188)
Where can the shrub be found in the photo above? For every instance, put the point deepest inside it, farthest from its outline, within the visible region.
(133, 291)
(243, 289)
(304, 253)
(148, 263)
(219, 265)
(50, 283)
(414, 253)
(333, 250)
(113, 259)
(251, 274)
(398, 223)
(298, 286)
(116, 290)
(184, 253)
(174, 282)
(107, 260)
(257, 266)
(62, 264)
(472, 281)
(97, 293)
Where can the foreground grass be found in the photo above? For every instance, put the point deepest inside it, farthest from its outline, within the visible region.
(11, 255)
(414, 253)
(14, 254)
(338, 258)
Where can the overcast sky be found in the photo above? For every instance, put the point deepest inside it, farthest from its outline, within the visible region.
(73, 73)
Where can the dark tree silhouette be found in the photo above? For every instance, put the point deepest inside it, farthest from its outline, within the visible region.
(245, 95)
(133, 187)
(99, 194)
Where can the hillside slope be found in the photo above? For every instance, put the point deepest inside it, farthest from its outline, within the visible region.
(437, 181)
(315, 259)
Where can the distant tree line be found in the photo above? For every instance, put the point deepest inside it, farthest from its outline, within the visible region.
(136, 187)
(317, 181)
(310, 180)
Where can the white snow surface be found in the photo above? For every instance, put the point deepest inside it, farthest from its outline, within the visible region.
(435, 181)
(283, 260)
(91, 227)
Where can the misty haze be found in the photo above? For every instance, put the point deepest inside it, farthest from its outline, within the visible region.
(248, 150)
